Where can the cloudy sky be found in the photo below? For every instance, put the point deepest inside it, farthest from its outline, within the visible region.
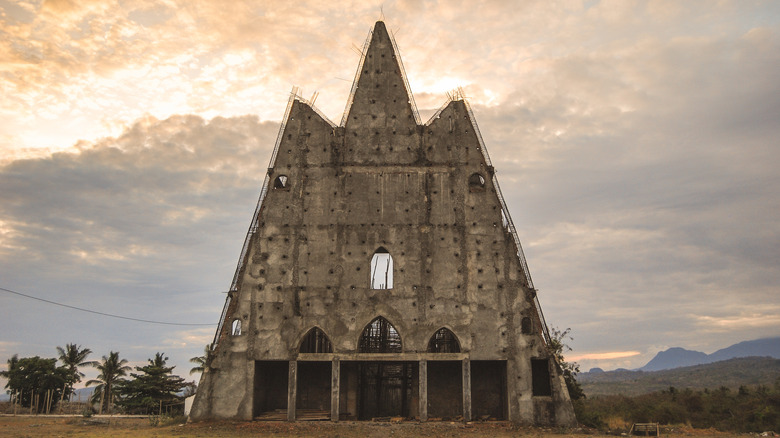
(636, 143)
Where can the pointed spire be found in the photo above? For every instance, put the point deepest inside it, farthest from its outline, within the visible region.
(381, 103)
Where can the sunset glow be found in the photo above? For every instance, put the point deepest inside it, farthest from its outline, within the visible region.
(635, 143)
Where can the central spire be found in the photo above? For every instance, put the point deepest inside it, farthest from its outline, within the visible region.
(381, 105)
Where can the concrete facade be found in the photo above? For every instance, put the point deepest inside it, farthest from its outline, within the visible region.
(300, 332)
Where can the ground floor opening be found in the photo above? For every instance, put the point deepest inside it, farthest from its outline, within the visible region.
(313, 393)
(488, 389)
(430, 390)
(373, 390)
(270, 387)
(445, 390)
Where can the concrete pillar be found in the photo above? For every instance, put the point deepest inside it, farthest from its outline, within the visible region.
(292, 390)
(335, 386)
(423, 378)
(467, 389)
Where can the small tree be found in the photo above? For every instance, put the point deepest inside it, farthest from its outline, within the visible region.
(558, 344)
(111, 369)
(152, 388)
(31, 378)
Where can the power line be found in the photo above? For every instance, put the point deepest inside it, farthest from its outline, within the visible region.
(101, 313)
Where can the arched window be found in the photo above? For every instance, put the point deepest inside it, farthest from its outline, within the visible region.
(443, 341)
(379, 336)
(476, 182)
(382, 269)
(236, 327)
(316, 341)
(526, 327)
(281, 182)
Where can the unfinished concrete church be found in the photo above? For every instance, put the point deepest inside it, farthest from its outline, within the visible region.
(381, 275)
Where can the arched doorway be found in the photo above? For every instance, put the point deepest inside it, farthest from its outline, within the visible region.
(445, 377)
(384, 387)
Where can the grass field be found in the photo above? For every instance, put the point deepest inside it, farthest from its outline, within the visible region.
(142, 427)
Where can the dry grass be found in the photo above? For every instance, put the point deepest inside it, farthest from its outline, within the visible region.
(142, 427)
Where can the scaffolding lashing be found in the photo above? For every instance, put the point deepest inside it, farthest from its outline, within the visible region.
(221, 322)
(357, 76)
(438, 111)
(310, 103)
(255, 217)
(507, 218)
(406, 81)
(482, 147)
(510, 226)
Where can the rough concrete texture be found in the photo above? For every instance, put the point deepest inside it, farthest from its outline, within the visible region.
(425, 194)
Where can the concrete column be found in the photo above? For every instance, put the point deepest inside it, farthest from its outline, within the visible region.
(292, 390)
(467, 389)
(423, 378)
(335, 386)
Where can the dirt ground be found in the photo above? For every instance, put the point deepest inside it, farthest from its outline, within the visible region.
(76, 426)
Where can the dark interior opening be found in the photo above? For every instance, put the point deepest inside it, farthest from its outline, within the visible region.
(372, 390)
(379, 336)
(526, 327)
(316, 341)
(443, 341)
(280, 182)
(476, 182)
(348, 391)
(270, 386)
(445, 389)
(488, 389)
(540, 373)
(313, 390)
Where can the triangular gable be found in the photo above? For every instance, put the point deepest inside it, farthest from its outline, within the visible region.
(380, 102)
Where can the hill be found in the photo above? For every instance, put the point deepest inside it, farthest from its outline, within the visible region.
(679, 357)
(731, 373)
(674, 358)
(760, 347)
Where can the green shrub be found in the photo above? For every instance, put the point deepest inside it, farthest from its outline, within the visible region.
(750, 409)
(166, 420)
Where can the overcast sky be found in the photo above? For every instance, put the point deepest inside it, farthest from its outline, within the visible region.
(637, 144)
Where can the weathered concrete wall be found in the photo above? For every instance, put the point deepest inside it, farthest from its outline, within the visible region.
(381, 180)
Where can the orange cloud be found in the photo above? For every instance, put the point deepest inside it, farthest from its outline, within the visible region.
(738, 322)
(605, 356)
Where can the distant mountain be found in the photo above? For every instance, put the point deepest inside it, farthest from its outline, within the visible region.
(731, 374)
(674, 358)
(677, 357)
(760, 347)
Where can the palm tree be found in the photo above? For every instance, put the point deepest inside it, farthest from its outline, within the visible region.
(12, 364)
(73, 357)
(200, 361)
(159, 360)
(112, 369)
